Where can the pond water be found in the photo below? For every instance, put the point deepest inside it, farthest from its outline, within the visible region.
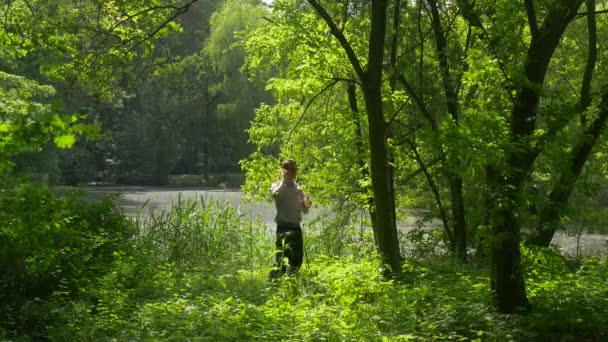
(161, 198)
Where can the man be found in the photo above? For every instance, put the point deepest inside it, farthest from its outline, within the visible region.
(290, 202)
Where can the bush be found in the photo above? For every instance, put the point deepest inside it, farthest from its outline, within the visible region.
(51, 246)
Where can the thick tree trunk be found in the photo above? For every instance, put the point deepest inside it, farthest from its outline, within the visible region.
(507, 281)
(386, 227)
(506, 181)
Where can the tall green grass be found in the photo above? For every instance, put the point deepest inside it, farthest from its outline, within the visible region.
(201, 232)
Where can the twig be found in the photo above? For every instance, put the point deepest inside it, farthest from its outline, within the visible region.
(308, 106)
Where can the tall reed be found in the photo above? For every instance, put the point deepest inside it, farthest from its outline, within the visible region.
(202, 232)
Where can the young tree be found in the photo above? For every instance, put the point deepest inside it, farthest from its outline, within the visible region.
(322, 67)
(370, 79)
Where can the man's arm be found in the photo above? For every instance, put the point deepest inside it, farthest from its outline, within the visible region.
(304, 201)
(276, 188)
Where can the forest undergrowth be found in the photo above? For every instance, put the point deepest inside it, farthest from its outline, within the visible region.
(81, 271)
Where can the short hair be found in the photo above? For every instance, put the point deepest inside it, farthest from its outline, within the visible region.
(289, 164)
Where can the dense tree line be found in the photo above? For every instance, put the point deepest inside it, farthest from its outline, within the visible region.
(159, 85)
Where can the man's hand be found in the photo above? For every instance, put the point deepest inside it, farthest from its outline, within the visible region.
(287, 176)
(307, 202)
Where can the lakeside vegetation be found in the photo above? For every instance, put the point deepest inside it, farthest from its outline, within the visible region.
(77, 271)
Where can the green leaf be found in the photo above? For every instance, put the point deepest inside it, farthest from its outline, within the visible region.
(65, 141)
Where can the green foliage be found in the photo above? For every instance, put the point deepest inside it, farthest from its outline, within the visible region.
(29, 121)
(83, 49)
(200, 272)
(183, 107)
(569, 287)
(52, 248)
(84, 43)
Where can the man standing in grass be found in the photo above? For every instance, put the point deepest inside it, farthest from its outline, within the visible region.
(290, 202)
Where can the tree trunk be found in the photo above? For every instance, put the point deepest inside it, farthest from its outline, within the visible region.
(386, 231)
(507, 281)
(435, 190)
(351, 90)
(558, 198)
(505, 181)
(451, 98)
(385, 227)
(560, 195)
(458, 214)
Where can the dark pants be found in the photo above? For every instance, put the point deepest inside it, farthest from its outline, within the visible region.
(289, 245)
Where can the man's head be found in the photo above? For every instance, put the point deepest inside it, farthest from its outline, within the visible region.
(289, 164)
(289, 169)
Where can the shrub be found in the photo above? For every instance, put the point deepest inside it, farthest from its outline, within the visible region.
(51, 246)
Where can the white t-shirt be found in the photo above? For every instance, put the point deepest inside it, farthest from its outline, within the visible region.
(289, 201)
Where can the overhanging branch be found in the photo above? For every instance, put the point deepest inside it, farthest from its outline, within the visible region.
(335, 31)
(331, 84)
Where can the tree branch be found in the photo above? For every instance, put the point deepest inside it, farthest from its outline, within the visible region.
(335, 31)
(331, 84)
(422, 40)
(397, 112)
(178, 11)
(129, 17)
(585, 98)
(441, 45)
(531, 18)
(582, 14)
(419, 101)
(29, 6)
(468, 13)
(394, 42)
(89, 60)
